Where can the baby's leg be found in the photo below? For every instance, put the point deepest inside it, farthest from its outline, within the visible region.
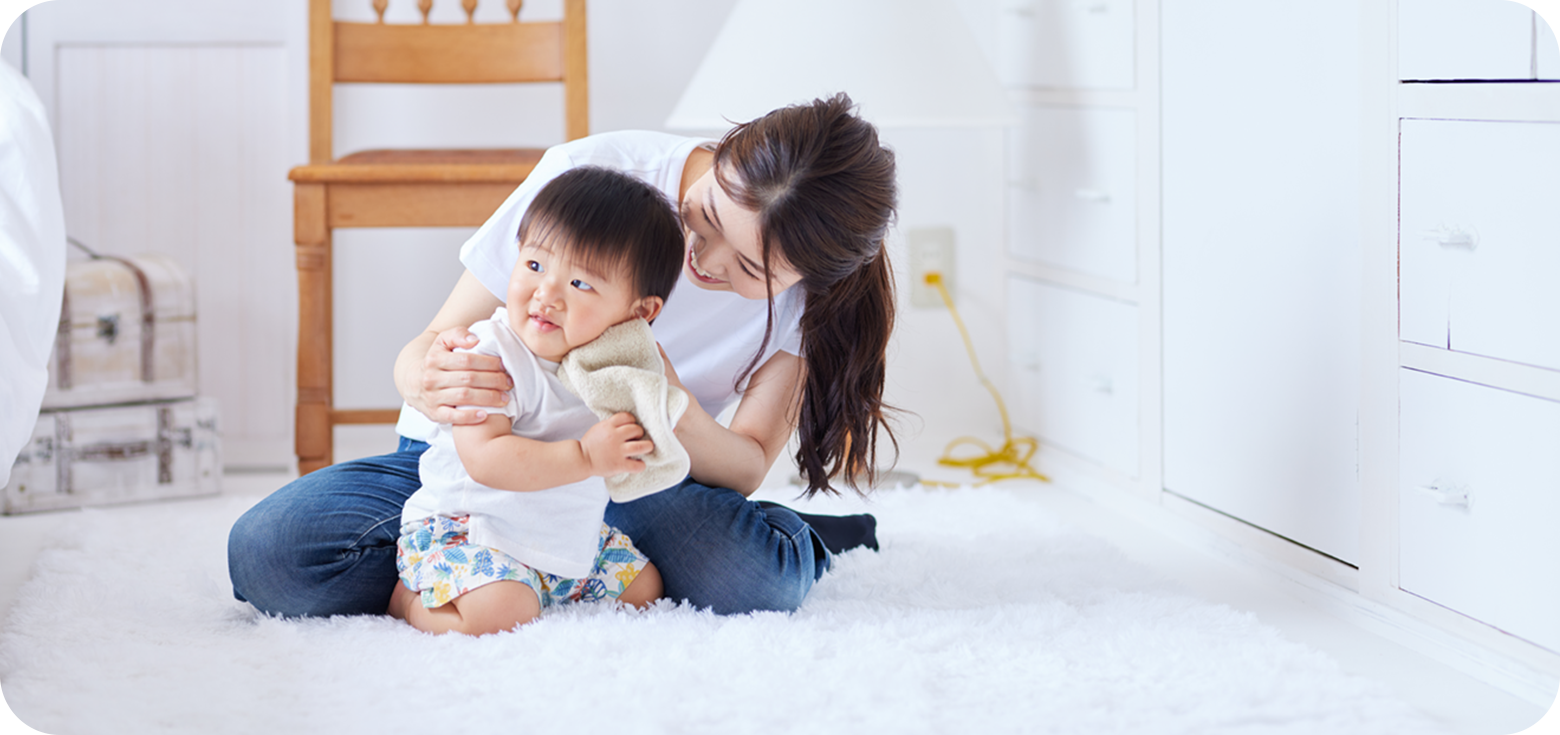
(645, 589)
(491, 608)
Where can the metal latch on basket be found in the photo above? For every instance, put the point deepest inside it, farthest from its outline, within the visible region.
(108, 326)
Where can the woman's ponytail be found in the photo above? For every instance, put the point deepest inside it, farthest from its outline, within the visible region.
(825, 192)
(845, 331)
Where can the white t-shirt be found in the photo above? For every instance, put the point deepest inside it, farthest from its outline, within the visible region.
(710, 336)
(556, 530)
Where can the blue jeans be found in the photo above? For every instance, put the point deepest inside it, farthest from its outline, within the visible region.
(325, 543)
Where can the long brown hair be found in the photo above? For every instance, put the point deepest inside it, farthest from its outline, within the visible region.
(825, 192)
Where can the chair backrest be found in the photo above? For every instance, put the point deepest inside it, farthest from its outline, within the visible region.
(426, 53)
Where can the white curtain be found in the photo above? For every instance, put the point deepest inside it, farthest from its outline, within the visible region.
(32, 260)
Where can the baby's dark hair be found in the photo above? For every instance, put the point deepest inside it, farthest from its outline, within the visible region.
(609, 222)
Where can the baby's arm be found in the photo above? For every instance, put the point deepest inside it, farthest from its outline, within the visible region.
(497, 458)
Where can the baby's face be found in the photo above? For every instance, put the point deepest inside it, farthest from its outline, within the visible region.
(555, 305)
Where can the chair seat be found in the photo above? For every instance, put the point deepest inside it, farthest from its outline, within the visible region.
(508, 165)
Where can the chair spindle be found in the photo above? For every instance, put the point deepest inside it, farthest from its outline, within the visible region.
(379, 7)
(471, 10)
(514, 9)
(425, 6)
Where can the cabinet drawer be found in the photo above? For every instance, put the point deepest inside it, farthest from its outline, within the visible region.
(1464, 39)
(1479, 480)
(1546, 50)
(1074, 366)
(1072, 190)
(1479, 239)
(1077, 44)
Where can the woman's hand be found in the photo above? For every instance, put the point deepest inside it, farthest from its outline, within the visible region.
(451, 379)
(740, 455)
(671, 372)
(434, 379)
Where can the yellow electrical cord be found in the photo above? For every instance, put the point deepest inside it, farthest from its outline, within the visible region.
(1011, 461)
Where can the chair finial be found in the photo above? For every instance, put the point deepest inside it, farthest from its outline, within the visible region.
(379, 7)
(425, 6)
(514, 9)
(471, 10)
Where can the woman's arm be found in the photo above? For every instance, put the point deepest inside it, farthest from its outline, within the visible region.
(497, 458)
(740, 457)
(434, 379)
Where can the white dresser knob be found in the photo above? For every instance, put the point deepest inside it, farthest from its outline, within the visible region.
(1452, 236)
(1449, 494)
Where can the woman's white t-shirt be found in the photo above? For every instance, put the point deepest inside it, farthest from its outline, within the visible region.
(710, 336)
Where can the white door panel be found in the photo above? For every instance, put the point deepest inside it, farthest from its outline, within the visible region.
(1261, 270)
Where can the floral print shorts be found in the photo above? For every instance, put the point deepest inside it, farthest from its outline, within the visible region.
(436, 560)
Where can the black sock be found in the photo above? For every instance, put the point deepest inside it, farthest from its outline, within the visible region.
(839, 533)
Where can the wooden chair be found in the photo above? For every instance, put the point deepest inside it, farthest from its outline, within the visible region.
(407, 188)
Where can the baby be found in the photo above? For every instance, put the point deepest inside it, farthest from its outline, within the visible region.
(509, 516)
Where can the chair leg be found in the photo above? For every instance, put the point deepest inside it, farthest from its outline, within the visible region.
(313, 431)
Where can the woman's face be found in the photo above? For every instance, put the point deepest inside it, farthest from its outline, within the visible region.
(723, 244)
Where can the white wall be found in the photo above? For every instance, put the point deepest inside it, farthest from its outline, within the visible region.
(642, 55)
(174, 125)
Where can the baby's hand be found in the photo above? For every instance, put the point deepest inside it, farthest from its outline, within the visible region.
(611, 445)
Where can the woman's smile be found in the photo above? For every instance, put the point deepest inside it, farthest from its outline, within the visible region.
(700, 273)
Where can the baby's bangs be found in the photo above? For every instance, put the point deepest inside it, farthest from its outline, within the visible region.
(592, 251)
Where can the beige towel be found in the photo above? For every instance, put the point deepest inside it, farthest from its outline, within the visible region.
(622, 371)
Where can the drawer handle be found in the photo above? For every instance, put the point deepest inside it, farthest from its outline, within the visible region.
(1092, 195)
(1448, 494)
(1454, 237)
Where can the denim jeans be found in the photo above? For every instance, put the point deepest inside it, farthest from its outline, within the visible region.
(325, 543)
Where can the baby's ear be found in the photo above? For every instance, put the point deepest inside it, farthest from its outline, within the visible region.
(649, 308)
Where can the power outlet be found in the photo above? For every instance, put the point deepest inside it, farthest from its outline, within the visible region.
(931, 250)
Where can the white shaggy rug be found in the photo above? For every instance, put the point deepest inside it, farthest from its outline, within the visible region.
(980, 615)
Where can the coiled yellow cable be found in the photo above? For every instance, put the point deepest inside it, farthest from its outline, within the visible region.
(1011, 460)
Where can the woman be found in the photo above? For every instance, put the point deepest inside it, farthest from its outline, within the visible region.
(784, 308)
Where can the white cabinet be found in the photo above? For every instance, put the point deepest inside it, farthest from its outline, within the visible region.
(1342, 299)
(1075, 363)
(1480, 238)
(1072, 184)
(1477, 419)
(1076, 44)
(1074, 220)
(1479, 495)
(1464, 39)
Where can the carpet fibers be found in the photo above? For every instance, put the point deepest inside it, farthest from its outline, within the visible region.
(981, 614)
